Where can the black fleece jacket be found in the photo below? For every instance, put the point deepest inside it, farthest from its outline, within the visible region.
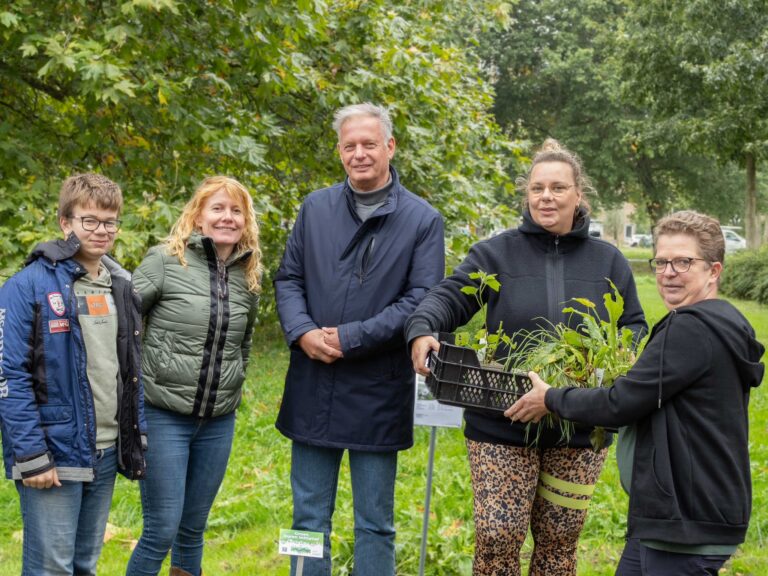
(539, 272)
(687, 396)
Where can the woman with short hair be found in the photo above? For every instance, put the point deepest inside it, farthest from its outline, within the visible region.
(684, 452)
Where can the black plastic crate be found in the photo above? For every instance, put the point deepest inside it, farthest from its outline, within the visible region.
(457, 378)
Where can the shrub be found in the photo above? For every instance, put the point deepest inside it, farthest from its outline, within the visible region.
(745, 275)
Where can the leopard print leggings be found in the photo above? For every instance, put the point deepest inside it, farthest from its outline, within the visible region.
(517, 486)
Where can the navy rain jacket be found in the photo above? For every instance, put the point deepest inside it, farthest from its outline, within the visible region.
(366, 278)
(46, 402)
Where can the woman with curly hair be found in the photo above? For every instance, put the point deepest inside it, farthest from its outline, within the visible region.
(199, 294)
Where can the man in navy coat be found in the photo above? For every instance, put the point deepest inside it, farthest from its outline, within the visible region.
(360, 257)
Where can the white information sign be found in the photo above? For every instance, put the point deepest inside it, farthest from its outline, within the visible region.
(429, 412)
(301, 543)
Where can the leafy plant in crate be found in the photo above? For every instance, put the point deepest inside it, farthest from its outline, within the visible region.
(465, 373)
(482, 342)
(594, 353)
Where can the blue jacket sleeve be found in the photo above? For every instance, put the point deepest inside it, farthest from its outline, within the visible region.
(290, 288)
(385, 329)
(18, 407)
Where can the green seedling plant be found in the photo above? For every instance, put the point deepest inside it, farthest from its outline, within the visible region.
(483, 342)
(594, 353)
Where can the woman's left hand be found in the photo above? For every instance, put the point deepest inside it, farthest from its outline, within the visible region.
(530, 407)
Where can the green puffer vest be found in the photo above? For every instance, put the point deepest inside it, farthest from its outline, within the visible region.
(199, 321)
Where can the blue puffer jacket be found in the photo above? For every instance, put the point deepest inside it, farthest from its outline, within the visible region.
(46, 403)
(365, 278)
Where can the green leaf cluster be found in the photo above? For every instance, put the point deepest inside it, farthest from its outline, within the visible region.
(660, 99)
(485, 343)
(157, 94)
(593, 354)
(746, 276)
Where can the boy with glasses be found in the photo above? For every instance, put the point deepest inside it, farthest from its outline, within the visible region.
(71, 402)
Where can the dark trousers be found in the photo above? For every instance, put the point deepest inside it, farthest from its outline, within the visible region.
(639, 560)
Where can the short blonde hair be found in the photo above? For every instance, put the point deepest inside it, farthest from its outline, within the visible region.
(89, 188)
(176, 242)
(702, 228)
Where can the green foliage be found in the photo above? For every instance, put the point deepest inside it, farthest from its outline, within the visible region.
(555, 79)
(746, 275)
(157, 94)
(559, 74)
(483, 342)
(699, 67)
(699, 70)
(593, 354)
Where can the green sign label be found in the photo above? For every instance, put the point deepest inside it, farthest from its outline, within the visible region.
(300, 543)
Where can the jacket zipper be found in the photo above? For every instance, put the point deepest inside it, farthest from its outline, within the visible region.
(367, 254)
(221, 292)
(76, 318)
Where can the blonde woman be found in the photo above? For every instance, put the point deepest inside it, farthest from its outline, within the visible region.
(542, 264)
(199, 294)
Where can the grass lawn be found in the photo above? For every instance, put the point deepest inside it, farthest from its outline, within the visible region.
(255, 500)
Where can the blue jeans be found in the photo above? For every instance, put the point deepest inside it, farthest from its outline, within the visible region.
(64, 526)
(186, 461)
(639, 560)
(314, 480)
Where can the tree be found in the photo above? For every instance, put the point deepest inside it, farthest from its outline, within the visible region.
(158, 93)
(700, 69)
(552, 81)
(557, 75)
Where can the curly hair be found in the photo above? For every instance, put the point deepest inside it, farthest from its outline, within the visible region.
(176, 242)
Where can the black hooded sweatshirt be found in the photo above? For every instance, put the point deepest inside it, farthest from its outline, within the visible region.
(539, 273)
(688, 397)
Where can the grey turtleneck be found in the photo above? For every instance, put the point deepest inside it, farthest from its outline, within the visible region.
(366, 203)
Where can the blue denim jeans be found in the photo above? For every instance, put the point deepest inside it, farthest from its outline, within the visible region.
(186, 461)
(64, 526)
(639, 560)
(314, 480)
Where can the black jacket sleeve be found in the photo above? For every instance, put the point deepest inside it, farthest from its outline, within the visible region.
(446, 307)
(677, 355)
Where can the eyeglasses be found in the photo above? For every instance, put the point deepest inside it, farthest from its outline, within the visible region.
(554, 189)
(679, 265)
(91, 224)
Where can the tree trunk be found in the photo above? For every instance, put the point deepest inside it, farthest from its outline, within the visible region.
(654, 205)
(750, 205)
(764, 226)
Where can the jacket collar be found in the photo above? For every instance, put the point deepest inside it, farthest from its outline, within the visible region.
(389, 206)
(204, 246)
(57, 251)
(578, 234)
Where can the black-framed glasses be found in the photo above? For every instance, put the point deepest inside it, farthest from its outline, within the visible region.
(554, 189)
(91, 224)
(679, 265)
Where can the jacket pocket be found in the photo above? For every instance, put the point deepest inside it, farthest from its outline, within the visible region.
(54, 414)
(57, 422)
(656, 477)
(158, 353)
